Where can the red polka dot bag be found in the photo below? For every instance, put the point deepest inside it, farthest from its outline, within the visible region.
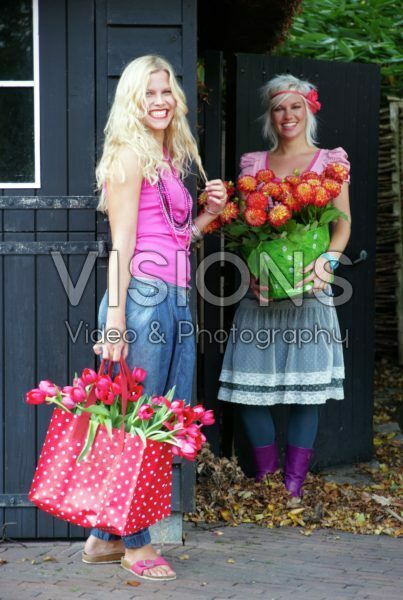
(107, 458)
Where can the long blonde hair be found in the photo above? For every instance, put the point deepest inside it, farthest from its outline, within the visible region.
(125, 127)
(286, 82)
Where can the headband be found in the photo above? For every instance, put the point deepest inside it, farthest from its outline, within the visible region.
(311, 97)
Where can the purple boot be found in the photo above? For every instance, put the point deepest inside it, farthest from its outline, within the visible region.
(296, 466)
(266, 460)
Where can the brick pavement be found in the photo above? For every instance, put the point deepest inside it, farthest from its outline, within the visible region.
(246, 562)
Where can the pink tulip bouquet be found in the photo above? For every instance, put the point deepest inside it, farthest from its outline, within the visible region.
(159, 418)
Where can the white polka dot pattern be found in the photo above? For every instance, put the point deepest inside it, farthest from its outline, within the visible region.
(118, 493)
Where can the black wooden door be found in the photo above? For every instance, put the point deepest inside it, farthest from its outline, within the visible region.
(83, 47)
(350, 99)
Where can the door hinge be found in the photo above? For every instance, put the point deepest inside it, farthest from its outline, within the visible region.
(15, 501)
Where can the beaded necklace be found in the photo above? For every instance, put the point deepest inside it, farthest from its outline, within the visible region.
(177, 227)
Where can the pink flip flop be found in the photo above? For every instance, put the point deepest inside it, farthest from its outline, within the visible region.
(140, 566)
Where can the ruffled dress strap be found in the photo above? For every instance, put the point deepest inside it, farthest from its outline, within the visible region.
(337, 155)
(252, 162)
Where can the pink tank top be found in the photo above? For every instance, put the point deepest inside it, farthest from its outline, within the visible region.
(157, 252)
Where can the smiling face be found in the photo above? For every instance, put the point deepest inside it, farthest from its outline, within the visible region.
(289, 117)
(160, 103)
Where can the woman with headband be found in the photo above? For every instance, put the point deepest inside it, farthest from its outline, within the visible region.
(302, 375)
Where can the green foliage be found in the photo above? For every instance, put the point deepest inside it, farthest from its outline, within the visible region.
(331, 215)
(368, 31)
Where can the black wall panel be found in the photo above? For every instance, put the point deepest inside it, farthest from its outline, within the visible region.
(84, 45)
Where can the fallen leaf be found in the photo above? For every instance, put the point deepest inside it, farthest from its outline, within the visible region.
(3, 562)
(285, 522)
(394, 514)
(297, 520)
(297, 511)
(381, 500)
(183, 557)
(226, 515)
(231, 561)
(49, 559)
(133, 583)
(33, 562)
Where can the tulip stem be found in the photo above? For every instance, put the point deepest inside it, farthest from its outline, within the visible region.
(58, 403)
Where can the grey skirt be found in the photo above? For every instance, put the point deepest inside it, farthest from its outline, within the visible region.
(283, 353)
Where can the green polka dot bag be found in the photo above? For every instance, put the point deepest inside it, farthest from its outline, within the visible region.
(278, 263)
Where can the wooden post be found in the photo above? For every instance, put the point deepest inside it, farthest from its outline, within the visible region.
(396, 127)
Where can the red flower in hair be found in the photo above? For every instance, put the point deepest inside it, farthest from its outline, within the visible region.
(312, 97)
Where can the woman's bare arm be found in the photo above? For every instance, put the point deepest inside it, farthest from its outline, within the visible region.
(319, 270)
(123, 203)
(341, 229)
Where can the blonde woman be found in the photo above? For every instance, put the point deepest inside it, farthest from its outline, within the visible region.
(148, 150)
(303, 376)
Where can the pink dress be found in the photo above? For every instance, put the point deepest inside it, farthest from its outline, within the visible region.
(263, 365)
(252, 162)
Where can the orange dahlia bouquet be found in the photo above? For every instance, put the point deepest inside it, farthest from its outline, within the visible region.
(280, 226)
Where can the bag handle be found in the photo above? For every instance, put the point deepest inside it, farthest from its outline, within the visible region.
(124, 383)
(126, 380)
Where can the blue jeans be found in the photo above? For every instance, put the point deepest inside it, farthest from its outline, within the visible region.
(160, 334)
